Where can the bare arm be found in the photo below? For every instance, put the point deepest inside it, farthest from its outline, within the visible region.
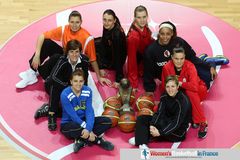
(100, 79)
(36, 58)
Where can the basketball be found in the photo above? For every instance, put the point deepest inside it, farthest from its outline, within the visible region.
(145, 101)
(126, 109)
(145, 111)
(113, 103)
(112, 114)
(127, 122)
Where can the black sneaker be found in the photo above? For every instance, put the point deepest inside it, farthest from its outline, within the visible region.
(78, 144)
(195, 125)
(105, 144)
(52, 122)
(202, 132)
(42, 111)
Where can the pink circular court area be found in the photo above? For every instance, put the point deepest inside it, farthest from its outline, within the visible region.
(205, 33)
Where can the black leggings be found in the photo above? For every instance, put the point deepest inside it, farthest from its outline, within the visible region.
(73, 130)
(49, 48)
(143, 136)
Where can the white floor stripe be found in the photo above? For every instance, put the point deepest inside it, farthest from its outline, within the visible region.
(214, 43)
(20, 139)
(62, 17)
(60, 153)
(17, 147)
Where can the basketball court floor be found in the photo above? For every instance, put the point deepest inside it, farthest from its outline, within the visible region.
(206, 34)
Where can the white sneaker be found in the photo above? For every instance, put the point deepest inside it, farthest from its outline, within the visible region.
(132, 141)
(25, 74)
(143, 146)
(30, 79)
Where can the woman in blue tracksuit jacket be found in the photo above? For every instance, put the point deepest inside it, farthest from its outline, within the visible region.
(78, 121)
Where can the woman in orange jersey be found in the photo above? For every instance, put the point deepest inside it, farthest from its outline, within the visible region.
(46, 47)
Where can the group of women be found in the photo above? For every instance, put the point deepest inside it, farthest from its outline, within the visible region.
(185, 78)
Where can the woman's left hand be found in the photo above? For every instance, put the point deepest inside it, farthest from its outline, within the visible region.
(106, 81)
(213, 73)
(154, 131)
(92, 137)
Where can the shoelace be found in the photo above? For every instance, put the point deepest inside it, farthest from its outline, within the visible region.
(43, 110)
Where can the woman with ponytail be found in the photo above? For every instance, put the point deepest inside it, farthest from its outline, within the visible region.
(111, 47)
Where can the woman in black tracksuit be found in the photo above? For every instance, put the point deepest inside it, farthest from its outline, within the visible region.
(111, 47)
(171, 120)
(159, 53)
(56, 72)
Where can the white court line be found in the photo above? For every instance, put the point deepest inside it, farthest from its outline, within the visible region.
(214, 43)
(17, 147)
(19, 138)
(62, 17)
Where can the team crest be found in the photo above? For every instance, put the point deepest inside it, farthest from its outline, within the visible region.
(166, 53)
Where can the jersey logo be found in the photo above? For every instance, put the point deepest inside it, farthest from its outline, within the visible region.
(166, 53)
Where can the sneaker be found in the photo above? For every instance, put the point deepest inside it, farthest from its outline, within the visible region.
(195, 125)
(78, 144)
(203, 56)
(105, 144)
(143, 146)
(218, 60)
(30, 78)
(52, 123)
(42, 111)
(25, 74)
(202, 132)
(132, 141)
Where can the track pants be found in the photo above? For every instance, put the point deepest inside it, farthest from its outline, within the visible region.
(73, 130)
(142, 132)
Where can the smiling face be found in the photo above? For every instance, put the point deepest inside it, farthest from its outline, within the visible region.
(171, 88)
(165, 34)
(77, 82)
(108, 21)
(75, 23)
(73, 55)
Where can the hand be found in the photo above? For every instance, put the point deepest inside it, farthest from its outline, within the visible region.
(35, 62)
(135, 90)
(105, 81)
(103, 73)
(180, 83)
(85, 134)
(213, 73)
(92, 137)
(154, 131)
(115, 85)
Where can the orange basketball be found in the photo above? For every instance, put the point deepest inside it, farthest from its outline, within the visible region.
(112, 102)
(127, 122)
(145, 101)
(112, 114)
(145, 111)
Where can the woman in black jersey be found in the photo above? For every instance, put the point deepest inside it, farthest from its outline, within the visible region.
(159, 53)
(111, 47)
